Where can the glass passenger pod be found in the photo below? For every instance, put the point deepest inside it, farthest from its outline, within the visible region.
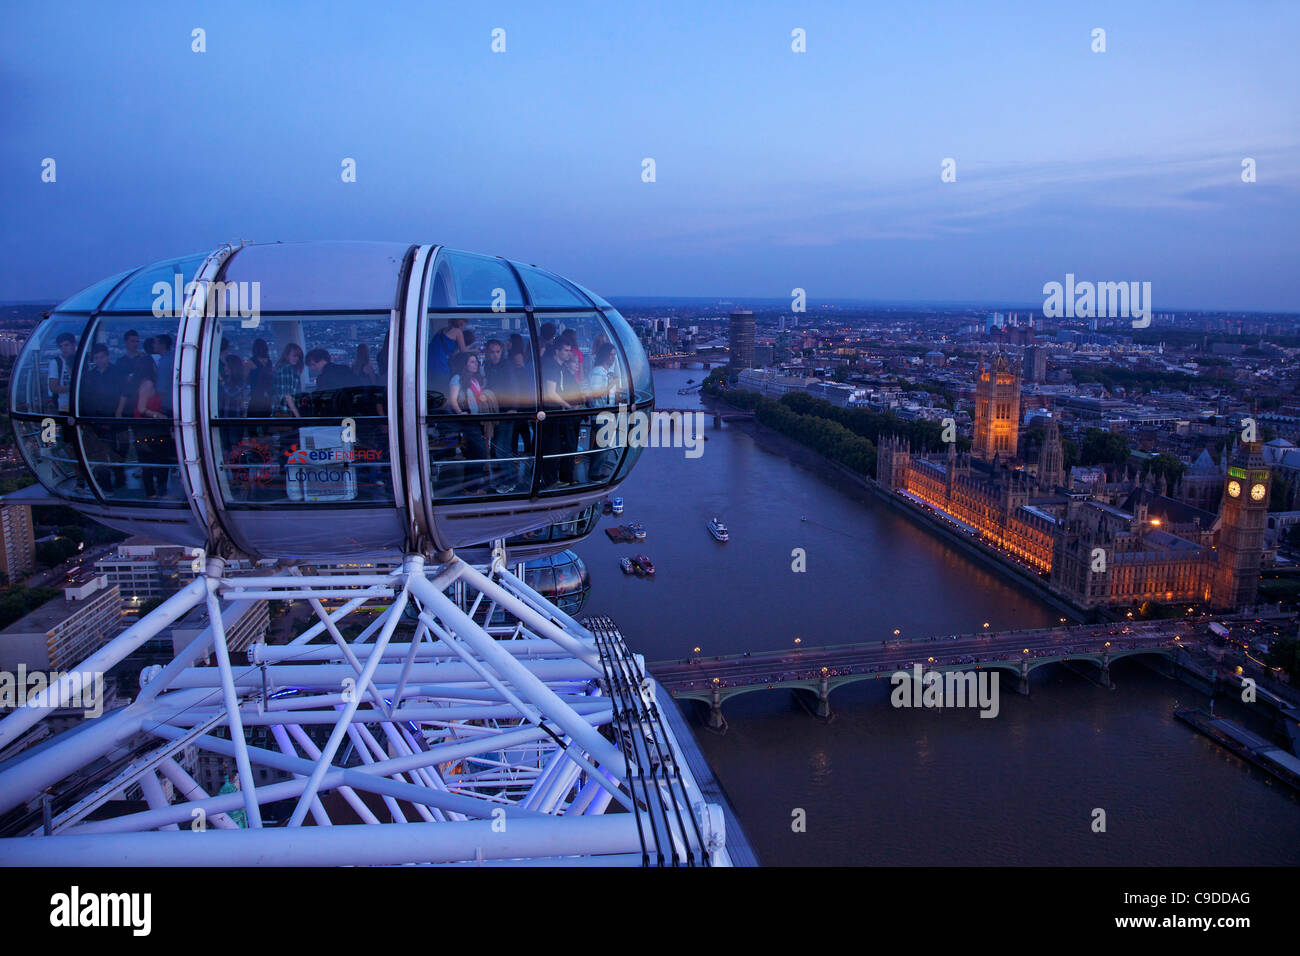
(562, 578)
(297, 399)
(299, 351)
(518, 367)
(126, 387)
(81, 369)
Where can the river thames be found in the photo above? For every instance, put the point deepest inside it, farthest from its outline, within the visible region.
(881, 785)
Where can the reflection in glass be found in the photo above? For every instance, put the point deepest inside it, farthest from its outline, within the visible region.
(642, 378)
(49, 450)
(90, 298)
(550, 291)
(576, 527)
(477, 457)
(579, 450)
(502, 348)
(154, 288)
(142, 358)
(562, 578)
(318, 366)
(467, 280)
(579, 366)
(44, 373)
(633, 453)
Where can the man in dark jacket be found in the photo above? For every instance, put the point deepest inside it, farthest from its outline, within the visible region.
(101, 396)
(334, 383)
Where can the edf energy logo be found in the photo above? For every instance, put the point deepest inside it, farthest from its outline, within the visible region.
(303, 456)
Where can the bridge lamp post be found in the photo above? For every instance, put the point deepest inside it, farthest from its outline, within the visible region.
(897, 632)
(986, 624)
(798, 641)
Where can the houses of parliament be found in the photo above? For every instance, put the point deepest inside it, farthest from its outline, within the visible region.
(1117, 544)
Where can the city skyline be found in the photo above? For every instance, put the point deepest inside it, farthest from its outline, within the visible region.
(775, 169)
(674, 436)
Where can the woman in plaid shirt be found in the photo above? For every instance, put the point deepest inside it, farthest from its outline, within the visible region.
(288, 381)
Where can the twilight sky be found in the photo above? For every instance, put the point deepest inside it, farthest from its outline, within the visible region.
(775, 169)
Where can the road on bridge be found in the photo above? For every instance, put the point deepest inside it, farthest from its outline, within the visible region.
(811, 663)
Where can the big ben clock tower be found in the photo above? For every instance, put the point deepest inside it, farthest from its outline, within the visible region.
(1241, 530)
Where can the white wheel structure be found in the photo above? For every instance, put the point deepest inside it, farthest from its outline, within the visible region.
(463, 718)
(489, 729)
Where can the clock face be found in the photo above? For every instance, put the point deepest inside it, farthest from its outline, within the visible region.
(1234, 489)
(1257, 492)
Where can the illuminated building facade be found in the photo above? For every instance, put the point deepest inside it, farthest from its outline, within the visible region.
(992, 501)
(1145, 547)
(1241, 531)
(997, 409)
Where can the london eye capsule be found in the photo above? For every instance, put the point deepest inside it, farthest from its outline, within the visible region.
(291, 400)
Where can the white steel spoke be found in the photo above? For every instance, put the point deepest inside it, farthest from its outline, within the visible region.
(487, 700)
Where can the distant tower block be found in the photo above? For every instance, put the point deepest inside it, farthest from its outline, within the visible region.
(1241, 529)
(997, 409)
(742, 339)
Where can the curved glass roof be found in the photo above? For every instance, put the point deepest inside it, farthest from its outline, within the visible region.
(550, 291)
(90, 298)
(140, 292)
(321, 276)
(467, 280)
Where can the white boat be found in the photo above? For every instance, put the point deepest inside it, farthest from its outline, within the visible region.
(718, 529)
